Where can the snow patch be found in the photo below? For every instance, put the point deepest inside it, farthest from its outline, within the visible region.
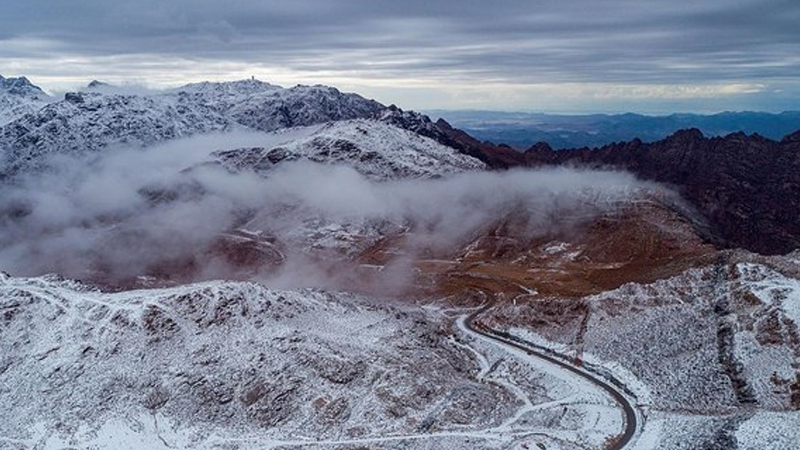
(769, 431)
(771, 287)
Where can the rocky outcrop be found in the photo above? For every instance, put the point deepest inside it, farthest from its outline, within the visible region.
(374, 148)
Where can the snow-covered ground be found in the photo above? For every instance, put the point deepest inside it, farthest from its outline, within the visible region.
(232, 359)
(712, 354)
(220, 364)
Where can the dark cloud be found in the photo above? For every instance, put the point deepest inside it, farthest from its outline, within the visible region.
(630, 42)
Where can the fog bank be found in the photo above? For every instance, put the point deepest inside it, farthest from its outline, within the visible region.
(129, 213)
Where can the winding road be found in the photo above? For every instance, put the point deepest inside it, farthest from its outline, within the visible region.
(472, 327)
(629, 412)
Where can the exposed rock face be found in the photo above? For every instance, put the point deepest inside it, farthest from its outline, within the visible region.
(747, 186)
(495, 156)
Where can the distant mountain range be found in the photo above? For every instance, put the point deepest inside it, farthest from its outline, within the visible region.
(522, 130)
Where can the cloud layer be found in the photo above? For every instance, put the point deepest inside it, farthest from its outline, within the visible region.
(129, 213)
(429, 52)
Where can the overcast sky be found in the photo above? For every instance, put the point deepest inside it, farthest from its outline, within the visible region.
(537, 55)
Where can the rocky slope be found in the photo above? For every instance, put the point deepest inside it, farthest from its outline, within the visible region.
(374, 148)
(495, 156)
(86, 122)
(747, 186)
(717, 346)
(220, 360)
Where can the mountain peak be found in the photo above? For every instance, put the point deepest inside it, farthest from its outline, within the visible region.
(18, 97)
(21, 86)
(540, 147)
(684, 138)
(791, 138)
(239, 87)
(688, 134)
(96, 84)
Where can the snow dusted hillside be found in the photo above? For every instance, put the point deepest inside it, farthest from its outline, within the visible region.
(19, 97)
(717, 350)
(218, 364)
(267, 107)
(375, 149)
(221, 364)
(85, 122)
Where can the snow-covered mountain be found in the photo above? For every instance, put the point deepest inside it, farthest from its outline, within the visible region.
(18, 97)
(85, 122)
(373, 148)
(267, 107)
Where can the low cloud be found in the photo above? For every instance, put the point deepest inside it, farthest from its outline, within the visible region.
(162, 212)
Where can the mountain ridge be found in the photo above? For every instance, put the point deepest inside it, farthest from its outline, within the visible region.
(521, 130)
(748, 186)
(91, 120)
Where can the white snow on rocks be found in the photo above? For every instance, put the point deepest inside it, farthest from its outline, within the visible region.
(19, 97)
(772, 288)
(85, 122)
(769, 431)
(231, 360)
(375, 149)
(667, 342)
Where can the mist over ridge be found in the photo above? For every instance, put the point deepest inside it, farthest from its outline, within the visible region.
(126, 211)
